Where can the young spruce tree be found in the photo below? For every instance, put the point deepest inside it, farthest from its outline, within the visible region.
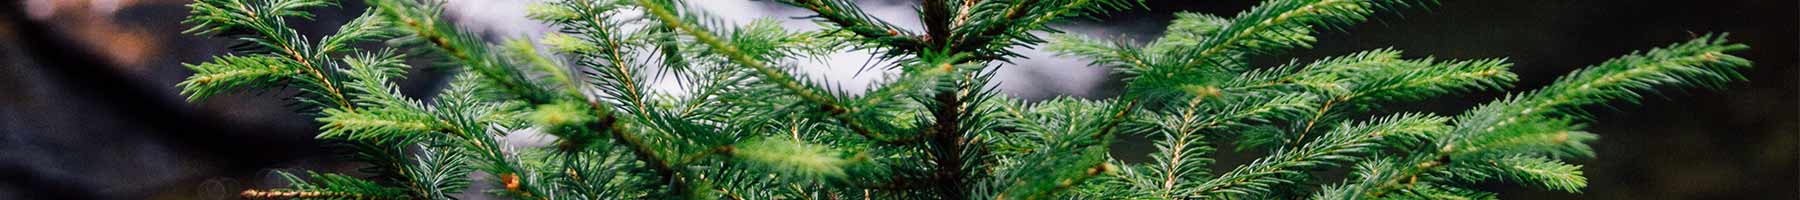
(745, 125)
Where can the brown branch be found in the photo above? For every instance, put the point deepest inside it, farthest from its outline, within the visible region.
(330, 87)
(1312, 122)
(301, 194)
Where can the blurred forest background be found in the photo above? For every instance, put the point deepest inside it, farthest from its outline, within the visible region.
(89, 107)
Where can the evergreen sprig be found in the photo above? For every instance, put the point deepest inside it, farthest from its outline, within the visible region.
(746, 124)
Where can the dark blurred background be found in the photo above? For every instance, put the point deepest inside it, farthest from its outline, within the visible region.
(89, 107)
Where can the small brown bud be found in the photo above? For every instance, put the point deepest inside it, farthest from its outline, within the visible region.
(511, 180)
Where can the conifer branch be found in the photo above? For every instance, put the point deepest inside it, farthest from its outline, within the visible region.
(1180, 164)
(1363, 78)
(985, 33)
(1180, 145)
(846, 16)
(224, 17)
(601, 47)
(327, 186)
(922, 75)
(1009, 22)
(619, 73)
(419, 20)
(524, 51)
(1344, 144)
(231, 72)
(737, 134)
(1511, 125)
(1280, 24)
(783, 79)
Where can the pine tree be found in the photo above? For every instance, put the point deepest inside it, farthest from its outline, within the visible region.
(746, 125)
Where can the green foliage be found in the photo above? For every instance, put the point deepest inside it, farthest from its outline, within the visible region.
(1343, 144)
(1518, 137)
(327, 186)
(233, 72)
(745, 125)
(799, 159)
